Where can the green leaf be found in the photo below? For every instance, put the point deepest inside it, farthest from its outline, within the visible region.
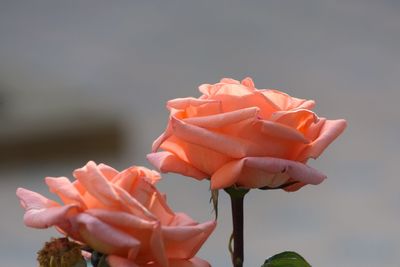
(286, 259)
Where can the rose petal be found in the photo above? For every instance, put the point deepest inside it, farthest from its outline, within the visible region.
(227, 175)
(96, 183)
(107, 171)
(280, 130)
(164, 136)
(182, 219)
(132, 205)
(150, 176)
(167, 162)
(330, 130)
(223, 119)
(157, 205)
(68, 193)
(248, 82)
(286, 102)
(228, 145)
(122, 220)
(299, 119)
(183, 242)
(42, 212)
(182, 103)
(231, 172)
(199, 157)
(193, 262)
(229, 81)
(117, 261)
(103, 237)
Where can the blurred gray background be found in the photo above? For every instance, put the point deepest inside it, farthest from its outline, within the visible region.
(84, 80)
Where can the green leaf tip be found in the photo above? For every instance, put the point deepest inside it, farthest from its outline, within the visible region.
(286, 259)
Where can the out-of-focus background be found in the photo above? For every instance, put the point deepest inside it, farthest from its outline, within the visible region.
(84, 80)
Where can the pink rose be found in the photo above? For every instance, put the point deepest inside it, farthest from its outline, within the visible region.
(120, 214)
(236, 134)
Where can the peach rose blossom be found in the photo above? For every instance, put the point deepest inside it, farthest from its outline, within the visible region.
(236, 134)
(120, 214)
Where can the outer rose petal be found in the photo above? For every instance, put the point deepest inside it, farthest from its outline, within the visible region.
(167, 162)
(232, 172)
(65, 190)
(116, 261)
(183, 242)
(103, 237)
(42, 212)
(330, 130)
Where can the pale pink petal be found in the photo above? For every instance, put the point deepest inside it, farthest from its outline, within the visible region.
(194, 262)
(122, 220)
(149, 197)
(157, 247)
(150, 176)
(299, 119)
(68, 193)
(141, 229)
(167, 162)
(133, 205)
(182, 103)
(227, 175)
(249, 98)
(307, 104)
(248, 82)
(296, 170)
(232, 173)
(127, 178)
(156, 204)
(199, 157)
(232, 89)
(42, 212)
(228, 145)
(229, 81)
(117, 261)
(182, 219)
(284, 101)
(294, 187)
(330, 130)
(183, 242)
(282, 131)
(223, 119)
(257, 178)
(107, 171)
(164, 136)
(96, 183)
(103, 237)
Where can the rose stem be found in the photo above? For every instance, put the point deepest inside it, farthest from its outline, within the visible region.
(237, 198)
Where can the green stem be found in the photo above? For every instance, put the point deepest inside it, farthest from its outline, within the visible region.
(237, 198)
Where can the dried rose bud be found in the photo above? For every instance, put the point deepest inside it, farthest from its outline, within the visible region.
(61, 252)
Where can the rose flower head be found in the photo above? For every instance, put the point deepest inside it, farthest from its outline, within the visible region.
(238, 135)
(120, 214)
